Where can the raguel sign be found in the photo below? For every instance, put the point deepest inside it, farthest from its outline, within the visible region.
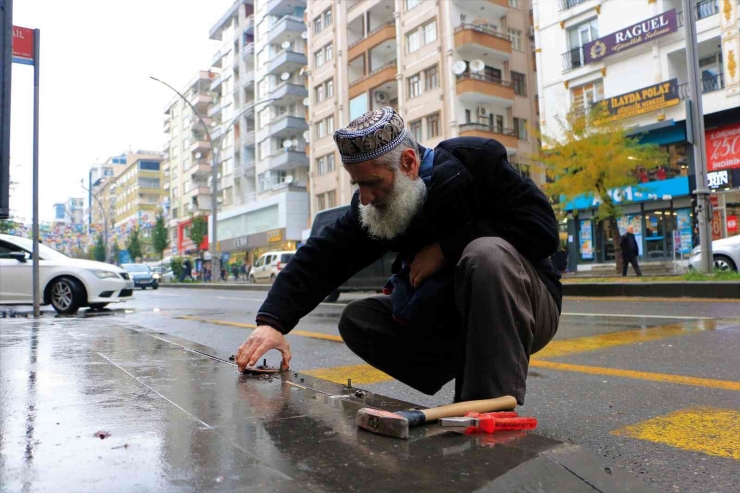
(634, 35)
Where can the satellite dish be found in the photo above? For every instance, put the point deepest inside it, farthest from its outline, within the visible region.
(286, 75)
(289, 179)
(458, 67)
(285, 45)
(198, 155)
(304, 34)
(477, 66)
(287, 144)
(305, 135)
(306, 102)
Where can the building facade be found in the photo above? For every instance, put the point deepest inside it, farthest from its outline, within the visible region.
(98, 175)
(633, 61)
(449, 68)
(259, 111)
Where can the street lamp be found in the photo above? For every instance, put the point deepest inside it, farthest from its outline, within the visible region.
(213, 238)
(105, 221)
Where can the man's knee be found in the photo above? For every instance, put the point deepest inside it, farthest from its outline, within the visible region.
(349, 318)
(490, 256)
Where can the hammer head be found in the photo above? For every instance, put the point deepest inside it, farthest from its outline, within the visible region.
(383, 422)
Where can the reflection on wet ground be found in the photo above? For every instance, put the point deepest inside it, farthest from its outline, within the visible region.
(93, 404)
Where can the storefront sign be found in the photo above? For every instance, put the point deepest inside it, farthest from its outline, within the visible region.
(645, 100)
(716, 225)
(718, 179)
(241, 242)
(654, 190)
(586, 243)
(274, 236)
(250, 242)
(634, 35)
(684, 225)
(723, 147)
(732, 224)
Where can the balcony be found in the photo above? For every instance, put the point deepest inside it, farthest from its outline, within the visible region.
(249, 25)
(215, 109)
(704, 9)
(200, 172)
(200, 146)
(167, 126)
(471, 40)
(569, 4)
(288, 159)
(244, 170)
(287, 61)
(381, 75)
(279, 8)
(506, 136)
(375, 37)
(216, 61)
(288, 125)
(198, 125)
(216, 83)
(292, 92)
(216, 132)
(708, 84)
(483, 88)
(247, 80)
(247, 138)
(248, 53)
(201, 101)
(289, 28)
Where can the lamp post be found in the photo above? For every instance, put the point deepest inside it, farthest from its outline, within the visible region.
(105, 221)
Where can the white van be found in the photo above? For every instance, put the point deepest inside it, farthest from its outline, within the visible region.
(269, 265)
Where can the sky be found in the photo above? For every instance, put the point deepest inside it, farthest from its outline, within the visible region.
(96, 97)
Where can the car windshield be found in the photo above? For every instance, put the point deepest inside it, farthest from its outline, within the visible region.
(45, 253)
(135, 268)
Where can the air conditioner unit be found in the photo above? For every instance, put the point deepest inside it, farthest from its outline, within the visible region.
(482, 112)
(381, 97)
(531, 32)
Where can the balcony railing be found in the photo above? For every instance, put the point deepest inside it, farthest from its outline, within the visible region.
(485, 78)
(569, 4)
(573, 58)
(382, 26)
(484, 127)
(390, 64)
(482, 29)
(708, 84)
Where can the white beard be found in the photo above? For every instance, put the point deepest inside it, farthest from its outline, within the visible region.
(392, 219)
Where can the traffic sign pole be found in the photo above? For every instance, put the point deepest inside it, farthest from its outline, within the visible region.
(36, 237)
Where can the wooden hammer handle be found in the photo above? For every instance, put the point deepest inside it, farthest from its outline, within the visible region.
(505, 403)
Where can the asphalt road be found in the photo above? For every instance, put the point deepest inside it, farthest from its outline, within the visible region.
(651, 385)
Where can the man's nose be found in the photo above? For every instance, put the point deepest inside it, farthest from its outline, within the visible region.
(366, 196)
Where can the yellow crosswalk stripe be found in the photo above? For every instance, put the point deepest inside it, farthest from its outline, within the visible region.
(242, 325)
(708, 430)
(360, 374)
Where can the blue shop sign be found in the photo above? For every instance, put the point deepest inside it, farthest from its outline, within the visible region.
(644, 192)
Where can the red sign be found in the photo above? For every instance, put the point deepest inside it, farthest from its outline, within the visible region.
(723, 147)
(731, 224)
(716, 226)
(23, 45)
(714, 200)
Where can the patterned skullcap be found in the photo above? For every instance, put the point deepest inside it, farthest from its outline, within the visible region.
(370, 135)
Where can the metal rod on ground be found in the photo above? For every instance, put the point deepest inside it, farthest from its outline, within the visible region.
(35, 193)
(703, 213)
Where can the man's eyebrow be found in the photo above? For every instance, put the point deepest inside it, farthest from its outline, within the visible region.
(371, 181)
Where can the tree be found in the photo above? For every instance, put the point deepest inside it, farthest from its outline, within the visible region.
(99, 249)
(160, 235)
(8, 225)
(593, 157)
(133, 244)
(115, 252)
(198, 231)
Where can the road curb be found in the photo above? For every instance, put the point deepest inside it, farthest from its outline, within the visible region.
(729, 290)
(220, 286)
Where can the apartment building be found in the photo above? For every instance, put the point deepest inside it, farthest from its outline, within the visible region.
(98, 175)
(450, 68)
(260, 111)
(70, 211)
(187, 164)
(633, 61)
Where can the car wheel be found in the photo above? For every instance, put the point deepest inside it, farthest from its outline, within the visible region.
(724, 264)
(98, 306)
(65, 295)
(156, 286)
(333, 296)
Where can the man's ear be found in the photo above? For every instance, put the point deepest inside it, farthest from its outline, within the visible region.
(410, 163)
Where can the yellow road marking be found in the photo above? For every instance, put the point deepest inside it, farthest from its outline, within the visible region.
(362, 374)
(241, 325)
(639, 375)
(709, 430)
(566, 347)
(629, 299)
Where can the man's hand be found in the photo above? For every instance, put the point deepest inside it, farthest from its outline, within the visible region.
(427, 262)
(262, 340)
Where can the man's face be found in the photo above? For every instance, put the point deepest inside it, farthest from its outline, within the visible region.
(376, 182)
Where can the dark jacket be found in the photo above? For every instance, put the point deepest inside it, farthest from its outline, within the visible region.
(628, 244)
(474, 193)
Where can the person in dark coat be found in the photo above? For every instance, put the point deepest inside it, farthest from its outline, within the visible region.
(474, 240)
(187, 270)
(630, 252)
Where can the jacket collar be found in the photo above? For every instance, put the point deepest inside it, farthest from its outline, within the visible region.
(449, 175)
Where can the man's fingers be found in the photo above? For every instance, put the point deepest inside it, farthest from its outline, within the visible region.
(258, 353)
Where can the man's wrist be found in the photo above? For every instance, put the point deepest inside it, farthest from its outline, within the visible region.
(270, 322)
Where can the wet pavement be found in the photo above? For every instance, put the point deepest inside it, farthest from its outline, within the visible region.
(174, 415)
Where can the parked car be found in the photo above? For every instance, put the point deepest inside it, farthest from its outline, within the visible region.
(372, 277)
(65, 283)
(142, 275)
(269, 265)
(726, 254)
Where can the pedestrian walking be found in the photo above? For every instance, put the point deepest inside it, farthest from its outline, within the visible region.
(474, 292)
(243, 270)
(630, 252)
(187, 270)
(235, 272)
(223, 272)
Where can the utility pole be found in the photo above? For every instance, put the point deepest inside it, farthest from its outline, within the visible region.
(703, 208)
(6, 64)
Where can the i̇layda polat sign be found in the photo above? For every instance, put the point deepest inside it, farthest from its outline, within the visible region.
(644, 100)
(631, 36)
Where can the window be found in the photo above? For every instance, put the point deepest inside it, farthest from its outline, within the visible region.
(415, 128)
(520, 127)
(263, 58)
(326, 200)
(319, 93)
(431, 78)
(318, 58)
(330, 88)
(410, 4)
(263, 149)
(263, 87)
(430, 32)
(412, 41)
(433, 126)
(321, 165)
(584, 96)
(520, 83)
(321, 129)
(516, 39)
(327, 18)
(514, 3)
(578, 36)
(149, 165)
(329, 52)
(263, 117)
(318, 24)
(330, 166)
(330, 125)
(414, 86)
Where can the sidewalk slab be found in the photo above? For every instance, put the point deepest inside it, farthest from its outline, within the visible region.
(180, 418)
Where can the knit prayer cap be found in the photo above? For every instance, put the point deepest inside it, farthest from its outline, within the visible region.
(370, 136)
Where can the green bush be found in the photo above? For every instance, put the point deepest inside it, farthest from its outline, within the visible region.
(176, 265)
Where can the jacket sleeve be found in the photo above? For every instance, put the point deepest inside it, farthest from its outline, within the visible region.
(507, 205)
(319, 267)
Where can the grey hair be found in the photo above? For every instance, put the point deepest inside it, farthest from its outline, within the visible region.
(392, 158)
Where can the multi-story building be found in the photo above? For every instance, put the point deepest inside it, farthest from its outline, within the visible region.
(186, 169)
(450, 69)
(259, 104)
(70, 212)
(97, 175)
(633, 61)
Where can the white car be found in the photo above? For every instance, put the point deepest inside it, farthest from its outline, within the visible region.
(269, 265)
(65, 283)
(726, 254)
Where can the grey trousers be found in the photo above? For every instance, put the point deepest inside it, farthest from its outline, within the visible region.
(502, 313)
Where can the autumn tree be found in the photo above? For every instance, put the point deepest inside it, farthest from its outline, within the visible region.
(593, 156)
(160, 235)
(133, 244)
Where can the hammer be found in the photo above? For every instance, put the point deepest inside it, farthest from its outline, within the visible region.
(397, 424)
